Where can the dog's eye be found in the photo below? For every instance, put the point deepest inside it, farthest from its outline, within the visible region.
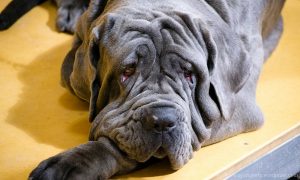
(188, 75)
(127, 73)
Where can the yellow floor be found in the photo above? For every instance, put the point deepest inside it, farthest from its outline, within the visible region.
(38, 118)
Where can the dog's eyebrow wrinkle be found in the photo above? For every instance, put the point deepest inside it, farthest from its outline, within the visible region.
(177, 84)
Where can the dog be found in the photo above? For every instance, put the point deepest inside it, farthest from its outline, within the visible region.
(163, 78)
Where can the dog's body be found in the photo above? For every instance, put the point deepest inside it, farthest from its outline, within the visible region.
(163, 78)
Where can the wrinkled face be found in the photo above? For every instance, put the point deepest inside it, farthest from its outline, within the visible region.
(153, 73)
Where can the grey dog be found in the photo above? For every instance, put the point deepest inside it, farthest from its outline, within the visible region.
(163, 78)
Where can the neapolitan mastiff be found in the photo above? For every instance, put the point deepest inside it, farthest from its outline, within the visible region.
(163, 78)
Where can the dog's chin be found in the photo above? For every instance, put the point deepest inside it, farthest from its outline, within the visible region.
(179, 157)
(176, 161)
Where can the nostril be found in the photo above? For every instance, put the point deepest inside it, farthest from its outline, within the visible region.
(157, 126)
(171, 124)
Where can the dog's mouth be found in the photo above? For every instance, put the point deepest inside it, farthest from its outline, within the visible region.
(178, 151)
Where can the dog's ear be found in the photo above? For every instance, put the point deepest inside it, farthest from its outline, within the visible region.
(229, 68)
(80, 70)
(94, 75)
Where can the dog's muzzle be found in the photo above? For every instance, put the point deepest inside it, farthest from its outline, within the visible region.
(156, 126)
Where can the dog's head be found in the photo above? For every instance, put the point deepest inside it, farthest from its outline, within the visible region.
(156, 79)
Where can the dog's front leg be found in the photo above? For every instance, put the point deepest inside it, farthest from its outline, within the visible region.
(94, 160)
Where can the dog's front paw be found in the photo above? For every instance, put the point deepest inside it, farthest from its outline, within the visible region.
(93, 160)
(62, 166)
(68, 15)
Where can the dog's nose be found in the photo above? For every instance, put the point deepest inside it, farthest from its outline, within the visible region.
(160, 119)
